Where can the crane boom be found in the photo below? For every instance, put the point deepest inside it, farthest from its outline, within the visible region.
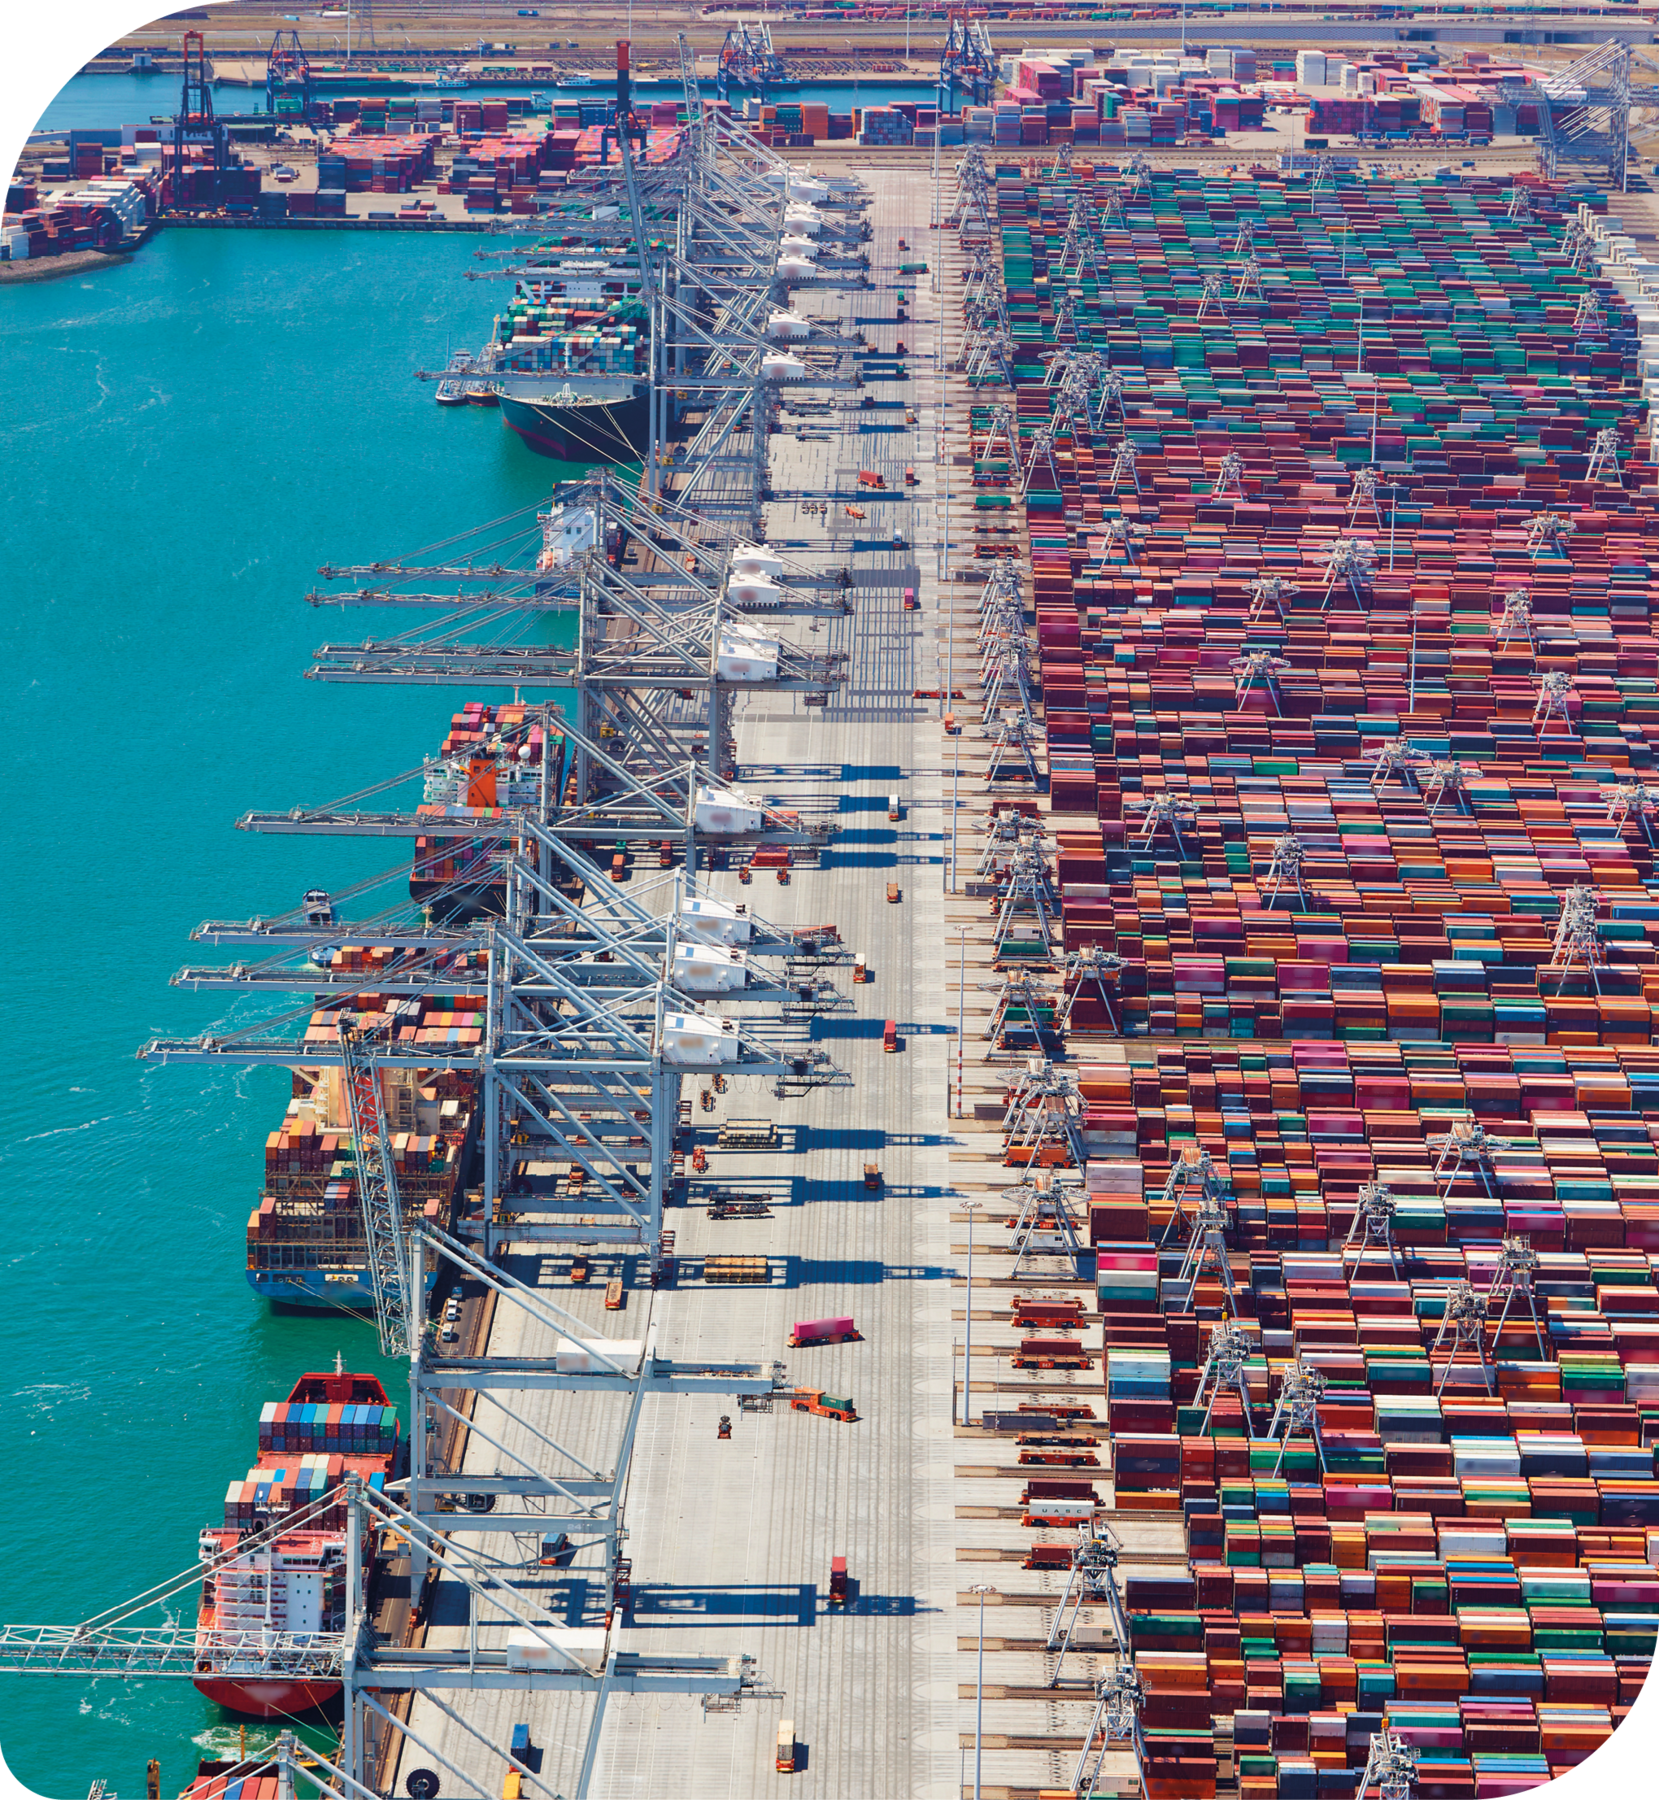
(395, 1299)
(176, 1650)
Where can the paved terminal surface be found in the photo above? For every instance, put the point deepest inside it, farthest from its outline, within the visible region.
(731, 1541)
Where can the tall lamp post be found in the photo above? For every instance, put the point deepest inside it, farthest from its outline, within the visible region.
(982, 1589)
(961, 1002)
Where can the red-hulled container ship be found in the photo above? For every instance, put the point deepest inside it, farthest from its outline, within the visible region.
(262, 1582)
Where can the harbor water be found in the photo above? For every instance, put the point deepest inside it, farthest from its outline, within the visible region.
(89, 101)
(187, 437)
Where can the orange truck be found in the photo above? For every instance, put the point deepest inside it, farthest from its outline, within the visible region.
(826, 1406)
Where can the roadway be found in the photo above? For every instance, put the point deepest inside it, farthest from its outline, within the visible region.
(731, 1541)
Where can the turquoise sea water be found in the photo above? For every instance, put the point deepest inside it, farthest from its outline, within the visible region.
(106, 100)
(185, 439)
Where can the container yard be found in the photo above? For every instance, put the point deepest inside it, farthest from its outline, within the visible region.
(1007, 1116)
(1279, 480)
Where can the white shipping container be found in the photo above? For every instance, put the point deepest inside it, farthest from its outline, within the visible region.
(1059, 1512)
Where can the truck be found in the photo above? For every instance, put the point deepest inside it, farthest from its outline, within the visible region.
(890, 1036)
(1059, 1459)
(824, 1331)
(894, 811)
(872, 1177)
(826, 1406)
(1062, 1513)
(868, 478)
(1055, 1409)
(786, 1747)
(1049, 1314)
(892, 893)
(1052, 1353)
(838, 1581)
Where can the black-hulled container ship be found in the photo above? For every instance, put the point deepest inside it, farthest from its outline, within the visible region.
(569, 361)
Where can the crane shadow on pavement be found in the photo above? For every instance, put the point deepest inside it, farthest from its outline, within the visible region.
(660, 1604)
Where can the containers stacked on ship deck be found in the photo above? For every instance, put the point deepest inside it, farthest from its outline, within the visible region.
(492, 759)
(607, 337)
(1468, 1552)
(305, 1238)
(265, 1577)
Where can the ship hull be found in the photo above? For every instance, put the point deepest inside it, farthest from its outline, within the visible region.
(603, 431)
(315, 1290)
(268, 1699)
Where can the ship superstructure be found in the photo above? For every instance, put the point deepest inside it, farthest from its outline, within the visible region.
(264, 1582)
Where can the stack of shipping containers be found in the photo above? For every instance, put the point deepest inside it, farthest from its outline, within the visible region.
(1473, 1556)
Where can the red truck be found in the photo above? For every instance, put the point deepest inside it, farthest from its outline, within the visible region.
(824, 1331)
(1057, 1488)
(1052, 1353)
(1048, 1315)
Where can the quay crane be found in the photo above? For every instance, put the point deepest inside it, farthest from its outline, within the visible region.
(195, 127)
(599, 1003)
(748, 62)
(967, 63)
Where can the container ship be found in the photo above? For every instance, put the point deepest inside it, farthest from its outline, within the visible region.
(331, 1425)
(305, 1238)
(305, 1242)
(569, 362)
(493, 758)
